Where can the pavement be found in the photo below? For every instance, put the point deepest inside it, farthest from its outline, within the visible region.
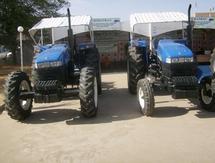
(57, 133)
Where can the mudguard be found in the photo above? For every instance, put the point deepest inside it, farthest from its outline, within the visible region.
(203, 71)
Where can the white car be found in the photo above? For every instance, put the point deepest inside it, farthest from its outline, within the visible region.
(5, 53)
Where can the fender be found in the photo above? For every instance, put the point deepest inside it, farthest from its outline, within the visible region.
(203, 71)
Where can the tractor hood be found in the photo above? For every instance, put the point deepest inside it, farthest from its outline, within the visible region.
(52, 54)
(171, 49)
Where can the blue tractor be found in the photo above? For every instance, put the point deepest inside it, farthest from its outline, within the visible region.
(166, 63)
(59, 71)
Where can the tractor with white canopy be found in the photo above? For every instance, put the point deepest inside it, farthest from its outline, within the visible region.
(164, 62)
(60, 69)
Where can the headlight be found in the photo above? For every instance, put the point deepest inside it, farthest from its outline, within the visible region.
(168, 60)
(48, 64)
(55, 64)
(188, 59)
(179, 60)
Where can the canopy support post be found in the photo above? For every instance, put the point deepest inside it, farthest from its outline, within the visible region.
(41, 34)
(53, 39)
(150, 36)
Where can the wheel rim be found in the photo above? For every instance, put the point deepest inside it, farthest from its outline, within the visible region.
(24, 86)
(95, 92)
(141, 98)
(206, 99)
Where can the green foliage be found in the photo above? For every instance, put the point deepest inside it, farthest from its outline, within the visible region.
(14, 13)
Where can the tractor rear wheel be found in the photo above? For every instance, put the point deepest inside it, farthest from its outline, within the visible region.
(88, 92)
(145, 96)
(206, 96)
(135, 71)
(93, 60)
(17, 108)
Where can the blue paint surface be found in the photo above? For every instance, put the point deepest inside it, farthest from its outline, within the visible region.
(139, 43)
(202, 72)
(173, 49)
(58, 52)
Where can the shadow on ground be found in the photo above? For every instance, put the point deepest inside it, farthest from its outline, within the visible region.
(114, 105)
(205, 114)
(165, 112)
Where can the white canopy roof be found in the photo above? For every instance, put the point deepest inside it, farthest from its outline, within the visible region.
(60, 25)
(152, 24)
(160, 17)
(61, 22)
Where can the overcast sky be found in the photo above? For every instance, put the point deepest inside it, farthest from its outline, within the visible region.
(123, 8)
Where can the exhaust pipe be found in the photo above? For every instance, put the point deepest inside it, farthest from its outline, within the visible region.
(70, 32)
(189, 28)
(70, 40)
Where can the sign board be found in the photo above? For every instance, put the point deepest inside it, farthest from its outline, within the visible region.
(204, 22)
(105, 24)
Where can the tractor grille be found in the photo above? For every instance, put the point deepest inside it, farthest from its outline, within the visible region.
(185, 82)
(179, 69)
(48, 91)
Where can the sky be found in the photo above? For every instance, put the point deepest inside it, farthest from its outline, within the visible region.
(123, 8)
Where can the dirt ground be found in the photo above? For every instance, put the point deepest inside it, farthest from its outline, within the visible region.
(55, 133)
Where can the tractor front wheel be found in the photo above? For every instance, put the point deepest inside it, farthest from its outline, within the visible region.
(145, 97)
(88, 92)
(206, 96)
(16, 83)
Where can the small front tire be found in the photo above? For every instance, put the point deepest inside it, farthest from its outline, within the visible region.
(206, 96)
(145, 96)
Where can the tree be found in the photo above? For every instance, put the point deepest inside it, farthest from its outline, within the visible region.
(14, 13)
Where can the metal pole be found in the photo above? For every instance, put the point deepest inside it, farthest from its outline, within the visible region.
(53, 39)
(21, 51)
(20, 29)
(41, 33)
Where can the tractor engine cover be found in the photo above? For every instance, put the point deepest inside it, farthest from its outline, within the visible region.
(176, 58)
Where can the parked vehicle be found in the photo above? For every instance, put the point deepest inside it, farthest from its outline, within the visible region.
(5, 53)
(58, 71)
(166, 63)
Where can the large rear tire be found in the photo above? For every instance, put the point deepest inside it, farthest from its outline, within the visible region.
(88, 92)
(145, 96)
(206, 96)
(17, 108)
(135, 71)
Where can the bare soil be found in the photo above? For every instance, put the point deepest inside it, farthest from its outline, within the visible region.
(57, 133)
